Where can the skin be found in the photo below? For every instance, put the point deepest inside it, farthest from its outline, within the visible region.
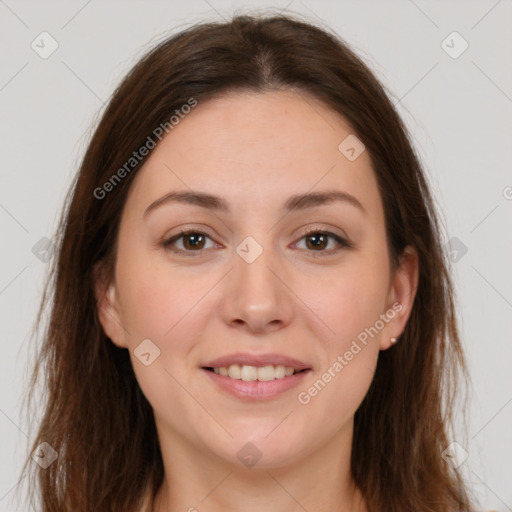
(255, 150)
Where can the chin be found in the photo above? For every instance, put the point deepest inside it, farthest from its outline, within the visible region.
(259, 451)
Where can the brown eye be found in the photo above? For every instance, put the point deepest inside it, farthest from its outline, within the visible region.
(191, 241)
(318, 241)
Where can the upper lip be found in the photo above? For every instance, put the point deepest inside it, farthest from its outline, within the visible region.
(244, 359)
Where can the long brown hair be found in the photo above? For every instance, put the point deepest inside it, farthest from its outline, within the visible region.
(95, 415)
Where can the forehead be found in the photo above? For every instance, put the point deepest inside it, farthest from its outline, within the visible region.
(258, 146)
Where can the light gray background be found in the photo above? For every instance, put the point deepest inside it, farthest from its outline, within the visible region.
(458, 110)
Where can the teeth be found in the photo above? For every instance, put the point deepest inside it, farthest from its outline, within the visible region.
(235, 372)
(250, 373)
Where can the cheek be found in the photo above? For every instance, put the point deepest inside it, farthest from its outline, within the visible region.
(164, 304)
(145, 305)
(349, 359)
(345, 303)
(348, 306)
(156, 297)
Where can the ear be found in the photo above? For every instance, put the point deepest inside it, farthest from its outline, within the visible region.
(108, 308)
(401, 296)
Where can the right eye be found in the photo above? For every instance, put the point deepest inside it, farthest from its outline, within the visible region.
(192, 242)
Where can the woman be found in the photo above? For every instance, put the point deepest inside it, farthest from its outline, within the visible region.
(251, 308)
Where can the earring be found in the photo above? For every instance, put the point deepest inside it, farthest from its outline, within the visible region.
(393, 340)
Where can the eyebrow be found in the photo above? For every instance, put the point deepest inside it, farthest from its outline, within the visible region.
(294, 203)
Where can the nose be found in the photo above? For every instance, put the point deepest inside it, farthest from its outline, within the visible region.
(257, 296)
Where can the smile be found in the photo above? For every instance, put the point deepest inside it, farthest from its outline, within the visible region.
(250, 373)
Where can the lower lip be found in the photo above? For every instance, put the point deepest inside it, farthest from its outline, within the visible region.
(256, 390)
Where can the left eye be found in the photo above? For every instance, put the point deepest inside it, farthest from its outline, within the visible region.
(195, 241)
(317, 241)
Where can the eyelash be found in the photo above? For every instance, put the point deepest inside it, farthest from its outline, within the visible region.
(324, 253)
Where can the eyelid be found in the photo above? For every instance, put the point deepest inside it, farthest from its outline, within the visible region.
(168, 242)
(326, 230)
(342, 240)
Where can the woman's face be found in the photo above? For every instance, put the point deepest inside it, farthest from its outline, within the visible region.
(262, 280)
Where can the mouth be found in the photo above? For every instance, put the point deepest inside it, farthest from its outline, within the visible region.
(260, 377)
